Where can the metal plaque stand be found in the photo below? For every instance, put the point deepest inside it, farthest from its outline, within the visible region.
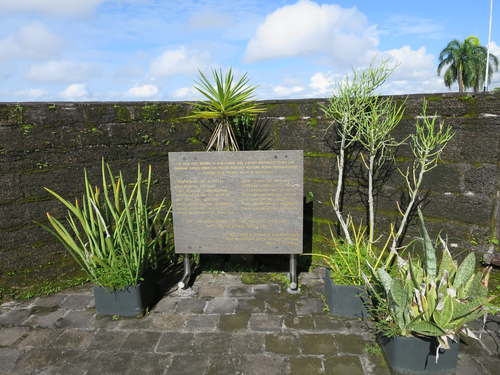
(292, 275)
(294, 283)
(183, 284)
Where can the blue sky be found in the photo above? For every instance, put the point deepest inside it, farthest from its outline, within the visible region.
(151, 50)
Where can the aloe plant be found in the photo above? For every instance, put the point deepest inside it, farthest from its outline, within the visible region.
(113, 233)
(433, 298)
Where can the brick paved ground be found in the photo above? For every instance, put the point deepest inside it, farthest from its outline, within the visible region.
(219, 326)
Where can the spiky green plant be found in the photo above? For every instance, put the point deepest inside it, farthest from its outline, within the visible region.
(431, 298)
(225, 99)
(113, 233)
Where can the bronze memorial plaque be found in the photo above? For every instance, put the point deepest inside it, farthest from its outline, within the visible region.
(244, 202)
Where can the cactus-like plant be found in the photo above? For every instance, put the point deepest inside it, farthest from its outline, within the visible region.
(431, 298)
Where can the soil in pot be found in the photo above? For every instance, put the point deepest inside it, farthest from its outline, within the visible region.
(415, 355)
(129, 302)
(347, 301)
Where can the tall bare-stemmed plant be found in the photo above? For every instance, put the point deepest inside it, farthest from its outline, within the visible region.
(225, 99)
(349, 110)
(427, 144)
(375, 135)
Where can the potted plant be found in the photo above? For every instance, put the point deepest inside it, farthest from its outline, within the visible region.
(424, 308)
(347, 267)
(117, 238)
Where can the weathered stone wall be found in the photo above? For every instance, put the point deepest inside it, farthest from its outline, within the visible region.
(49, 144)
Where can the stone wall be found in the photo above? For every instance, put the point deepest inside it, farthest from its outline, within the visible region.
(49, 145)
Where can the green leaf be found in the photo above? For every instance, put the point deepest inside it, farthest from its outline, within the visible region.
(429, 251)
(444, 312)
(425, 328)
(465, 271)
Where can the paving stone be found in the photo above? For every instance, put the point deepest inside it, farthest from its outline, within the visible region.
(226, 365)
(77, 319)
(247, 343)
(188, 365)
(280, 306)
(106, 322)
(299, 322)
(468, 365)
(251, 305)
(221, 305)
(265, 322)
(352, 344)
(50, 320)
(108, 340)
(9, 336)
(490, 364)
(169, 322)
(328, 323)
(191, 305)
(282, 344)
(75, 339)
(239, 291)
(141, 342)
(40, 338)
(74, 362)
(8, 359)
(14, 317)
(214, 343)
(175, 342)
(202, 322)
(149, 364)
(132, 323)
(166, 305)
(343, 365)
(234, 322)
(376, 364)
(211, 291)
(306, 365)
(317, 344)
(111, 363)
(266, 364)
(50, 301)
(266, 289)
(77, 302)
(39, 358)
(306, 306)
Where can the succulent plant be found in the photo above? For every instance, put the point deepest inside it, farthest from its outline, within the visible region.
(431, 298)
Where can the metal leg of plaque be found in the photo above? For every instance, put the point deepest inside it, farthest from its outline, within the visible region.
(187, 273)
(294, 284)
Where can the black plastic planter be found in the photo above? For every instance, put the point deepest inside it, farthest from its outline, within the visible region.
(345, 300)
(415, 356)
(131, 301)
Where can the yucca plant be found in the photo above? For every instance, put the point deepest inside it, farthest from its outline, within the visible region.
(113, 233)
(225, 99)
(430, 298)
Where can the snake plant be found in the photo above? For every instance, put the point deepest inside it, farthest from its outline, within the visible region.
(433, 298)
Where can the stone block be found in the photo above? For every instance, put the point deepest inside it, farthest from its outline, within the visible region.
(350, 344)
(234, 322)
(189, 364)
(175, 342)
(216, 341)
(265, 322)
(343, 365)
(202, 322)
(9, 336)
(285, 344)
(221, 305)
(306, 306)
(107, 340)
(8, 359)
(247, 343)
(141, 342)
(306, 365)
(317, 344)
(149, 364)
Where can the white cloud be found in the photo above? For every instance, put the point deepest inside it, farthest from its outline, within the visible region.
(75, 91)
(409, 25)
(413, 64)
(59, 71)
(322, 83)
(144, 91)
(56, 7)
(32, 93)
(177, 61)
(188, 93)
(33, 41)
(307, 28)
(281, 90)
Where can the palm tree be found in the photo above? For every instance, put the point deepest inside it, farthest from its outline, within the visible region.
(465, 63)
(480, 54)
(225, 100)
